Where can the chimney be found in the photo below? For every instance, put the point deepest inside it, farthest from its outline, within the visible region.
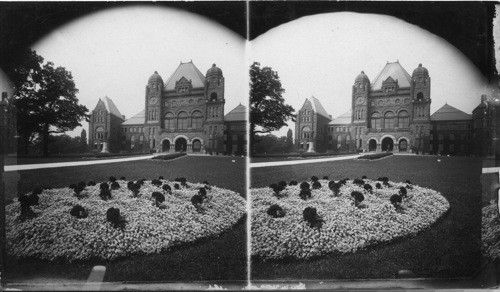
(483, 98)
(123, 117)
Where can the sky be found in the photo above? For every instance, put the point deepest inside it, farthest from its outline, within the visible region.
(321, 56)
(113, 53)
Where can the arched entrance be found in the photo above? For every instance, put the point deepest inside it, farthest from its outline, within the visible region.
(403, 145)
(165, 146)
(372, 145)
(180, 145)
(387, 144)
(196, 145)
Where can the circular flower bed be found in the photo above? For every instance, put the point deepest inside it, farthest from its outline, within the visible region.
(491, 231)
(343, 216)
(73, 224)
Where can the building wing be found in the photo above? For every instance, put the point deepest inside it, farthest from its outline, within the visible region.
(237, 114)
(111, 107)
(449, 113)
(343, 119)
(318, 108)
(138, 119)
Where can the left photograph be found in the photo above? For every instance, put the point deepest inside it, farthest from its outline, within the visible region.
(124, 152)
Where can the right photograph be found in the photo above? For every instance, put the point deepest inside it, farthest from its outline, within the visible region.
(367, 140)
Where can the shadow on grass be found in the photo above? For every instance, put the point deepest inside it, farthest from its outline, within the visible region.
(449, 249)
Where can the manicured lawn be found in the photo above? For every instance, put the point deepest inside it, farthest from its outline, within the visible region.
(450, 248)
(220, 258)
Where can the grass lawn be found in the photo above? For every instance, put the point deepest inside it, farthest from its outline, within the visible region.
(450, 248)
(220, 258)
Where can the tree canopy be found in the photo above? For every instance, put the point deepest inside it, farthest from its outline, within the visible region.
(268, 110)
(45, 98)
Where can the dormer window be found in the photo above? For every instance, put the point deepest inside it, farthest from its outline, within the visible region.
(183, 86)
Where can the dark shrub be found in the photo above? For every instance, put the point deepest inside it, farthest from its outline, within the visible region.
(304, 186)
(91, 183)
(335, 187)
(403, 192)
(135, 188)
(115, 185)
(26, 201)
(123, 178)
(314, 178)
(202, 192)
(105, 194)
(358, 182)
(380, 179)
(311, 216)
(378, 186)
(387, 184)
(343, 181)
(368, 188)
(358, 196)
(325, 177)
(159, 197)
(78, 189)
(385, 179)
(166, 188)
(72, 186)
(78, 212)
(305, 194)
(207, 185)
(275, 211)
(113, 216)
(141, 181)
(161, 177)
(104, 186)
(156, 182)
(396, 200)
(129, 184)
(112, 179)
(316, 185)
(364, 177)
(409, 187)
(206, 182)
(196, 200)
(177, 186)
(293, 183)
(276, 188)
(408, 182)
(282, 183)
(82, 184)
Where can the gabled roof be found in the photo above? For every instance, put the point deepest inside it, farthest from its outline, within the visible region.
(318, 108)
(110, 107)
(394, 70)
(343, 119)
(449, 113)
(190, 72)
(138, 119)
(237, 114)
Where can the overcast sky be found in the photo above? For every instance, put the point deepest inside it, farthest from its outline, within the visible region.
(114, 52)
(321, 56)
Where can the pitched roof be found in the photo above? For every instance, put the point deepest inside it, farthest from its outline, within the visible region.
(343, 119)
(111, 107)
(394, 70)
(190, 72)
(237, 114)
(449, 113)
(138, 119)
(318, 108)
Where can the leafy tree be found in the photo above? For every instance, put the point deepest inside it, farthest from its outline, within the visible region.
(269, 144)
(268, 111)
(45, 98)
(83, 141)
(289, 141)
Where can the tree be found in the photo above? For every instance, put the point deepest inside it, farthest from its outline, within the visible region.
(268, 111)
(45, 99)
(289, 141)
(269, 144)
(83, 141)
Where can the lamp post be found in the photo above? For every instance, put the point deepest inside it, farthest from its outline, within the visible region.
(4, 107)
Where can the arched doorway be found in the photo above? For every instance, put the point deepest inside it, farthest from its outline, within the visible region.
(387, 144)
(372, 145)
(180, 145)
(403, 145)
(196, 145)
(165, 146)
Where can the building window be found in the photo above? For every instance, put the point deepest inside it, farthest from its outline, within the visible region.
(375, 121)
(197, 120)
(441, 138)
(452, 137)
(404, 120)
(339, 141)
(389, 120)
(169, 121)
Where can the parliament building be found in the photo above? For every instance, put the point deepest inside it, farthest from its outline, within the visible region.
(392, 113)
(183, 114)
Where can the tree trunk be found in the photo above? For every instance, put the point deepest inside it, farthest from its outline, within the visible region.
(45, 140)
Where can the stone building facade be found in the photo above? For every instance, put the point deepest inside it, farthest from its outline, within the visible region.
(392, 113)
(185, 113)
